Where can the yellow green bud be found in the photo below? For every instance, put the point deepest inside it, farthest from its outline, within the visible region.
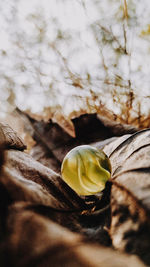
(86, 170)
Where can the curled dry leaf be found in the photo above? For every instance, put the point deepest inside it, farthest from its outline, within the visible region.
(116, 127)
(9, 138)
(130, 196)
(36, 183)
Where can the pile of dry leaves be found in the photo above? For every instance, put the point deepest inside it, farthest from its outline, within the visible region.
(43, 222)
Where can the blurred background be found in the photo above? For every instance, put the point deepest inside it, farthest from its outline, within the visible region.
(61, 59)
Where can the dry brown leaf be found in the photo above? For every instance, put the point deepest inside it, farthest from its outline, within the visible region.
(36, 183)
(117, 127)
(10, 138)
(130, 196)
(64, 123)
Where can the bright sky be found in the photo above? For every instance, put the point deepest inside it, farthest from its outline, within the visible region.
(85, 58)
